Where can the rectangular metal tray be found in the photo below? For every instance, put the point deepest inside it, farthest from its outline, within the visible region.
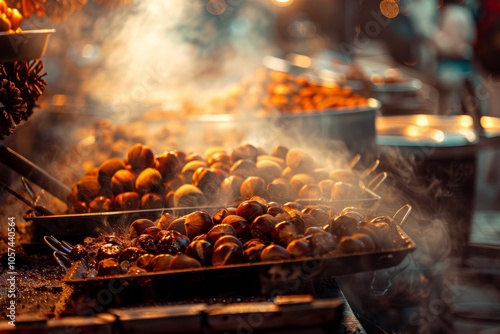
(85, 224)
(249, 279)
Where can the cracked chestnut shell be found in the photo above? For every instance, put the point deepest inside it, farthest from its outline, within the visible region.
(284, 233)
(227, 253)
(241, 225)
(144, 260)
(172, 243)
(152, 201)
(107, 251)
(138, 226)
(200, 250)
(108, 267)
(219, 231)
(101, 204)
(130, 254)
(262, 226)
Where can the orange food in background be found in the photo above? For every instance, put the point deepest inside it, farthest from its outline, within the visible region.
(10, 18)
(267, 91)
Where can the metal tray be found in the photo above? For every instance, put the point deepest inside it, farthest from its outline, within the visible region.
(249, 279)
(84, 224)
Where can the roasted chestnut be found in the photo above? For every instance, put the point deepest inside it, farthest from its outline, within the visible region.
(188, 195)
(342, 191)
(198, 222)
(147, 242)
(122, 181)
(252, 186)
(227, 253)
(88, 188)
(262, 226)
(101, 204)
(127, 201)
(252, 250)
(107, 169)
(108, 267)
(78, 252)
(178, 225)
(310, 191)
(152, 201)
(283, 233)
(138, 226)
(130, 254)
(219, 216)
(230, 187)
(343, 225)
(243, 168)
(228, 239)
(160, 262)
(274, 252)
(240, 225)
(169, 165)
(107, 251)
(299, 161)
(207, 181)
(344, 175)
(144, 260)
(165, 220)
(322, 243)
(279, 151)
(250, 209)
(268, 170)
(140, 157)
(172, 243)
(219, 231)
(297, 181)
(183, 261)
(149, 181)
(300, 248)
(348, 245)
(245, 151)
(279, 190)
(200, 250)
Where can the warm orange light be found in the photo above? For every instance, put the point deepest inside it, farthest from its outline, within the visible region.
(283, 3)
(389, 8)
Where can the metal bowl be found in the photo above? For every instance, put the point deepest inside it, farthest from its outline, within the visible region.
(25, 45)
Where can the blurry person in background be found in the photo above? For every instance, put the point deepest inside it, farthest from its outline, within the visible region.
(454, 40)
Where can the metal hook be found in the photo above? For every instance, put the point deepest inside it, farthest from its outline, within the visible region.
(377, 180)
(406, 214)
(369, 170)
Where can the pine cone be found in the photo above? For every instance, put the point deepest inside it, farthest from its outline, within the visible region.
(12, 107)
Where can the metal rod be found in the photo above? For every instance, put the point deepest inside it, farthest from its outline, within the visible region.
(34, 173)
(39, 210)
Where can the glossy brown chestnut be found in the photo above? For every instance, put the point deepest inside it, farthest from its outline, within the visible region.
(262, 226)
(219, 216)
(101, 204)
(230, 187)
(164, 220)
(279, 190)
(169, 165)
(198, 222)
(122, 181)
(244, 151)
(274, 252)
(207, 181)
(310, 191)
(300, 248)
(243, 168)
(160, 262)
(178, 225)
(149, 181)
(322, 243)
(228, 239)
(250, 209)
(138, 226)
(108, 267)
(152, 201)
(343, 225)
(183, 261)
(107, 169)
(227, 253)
(219, 231)
(252, 186)
(107, 251)
(88, 188)
(188, 195)
(283, 233)
(140, 157)
(268, 170)
(200, 250)
(144, 260)
(147, 242)
(130, 254)
(240, 225)
(127, 201)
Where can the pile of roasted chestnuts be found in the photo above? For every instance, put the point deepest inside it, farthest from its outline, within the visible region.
(253, 231)
(144, 180)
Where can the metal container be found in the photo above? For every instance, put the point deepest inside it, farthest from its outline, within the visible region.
(25, 45)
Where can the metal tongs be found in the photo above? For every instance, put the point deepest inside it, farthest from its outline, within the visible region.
(62, 250)
(382, 279)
